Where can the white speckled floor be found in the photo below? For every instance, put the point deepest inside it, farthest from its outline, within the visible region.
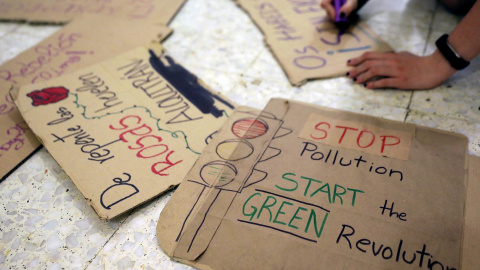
(45, 222)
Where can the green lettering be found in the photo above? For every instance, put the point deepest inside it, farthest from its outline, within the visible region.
(296, 217)
(308, 185)
(280, 212)
(252, 214)
(354, 194)
(336, 194)
(321, 190)
(313, 217)
(288, 179)
(265, 206)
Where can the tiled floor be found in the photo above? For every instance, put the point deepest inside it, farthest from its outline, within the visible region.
(45, 222)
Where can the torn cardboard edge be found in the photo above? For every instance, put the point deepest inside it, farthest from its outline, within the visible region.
(20, 164)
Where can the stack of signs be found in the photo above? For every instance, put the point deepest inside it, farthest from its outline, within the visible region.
(299, 186)
(79, 44)
(305, 42)
(127, 129)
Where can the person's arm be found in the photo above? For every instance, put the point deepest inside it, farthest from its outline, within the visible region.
(407, 71)
(465, 38)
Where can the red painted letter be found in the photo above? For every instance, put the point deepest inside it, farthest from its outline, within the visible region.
(324, 131)
(384, 142)
(344, 132)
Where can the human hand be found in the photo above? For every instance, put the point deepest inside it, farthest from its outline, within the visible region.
(399, 70)
(347, 8)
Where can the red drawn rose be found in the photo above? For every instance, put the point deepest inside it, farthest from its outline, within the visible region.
(48, 95)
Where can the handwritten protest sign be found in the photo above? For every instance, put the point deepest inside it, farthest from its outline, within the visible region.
(85, 41)
(160, 11)
(303, 40)
(124, 130)
(262, 196)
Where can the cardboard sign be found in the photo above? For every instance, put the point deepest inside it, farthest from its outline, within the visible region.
(259, 197)
(124, 130)
(85, 41)
(305, 42)
(54, 11)
(471, 235)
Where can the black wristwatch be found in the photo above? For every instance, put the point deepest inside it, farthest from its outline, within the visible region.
(455, 60)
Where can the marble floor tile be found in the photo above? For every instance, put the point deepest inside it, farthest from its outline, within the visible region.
(227, 41)
(266, 65)
(134, 245)
(402, 24)
(218, 81)
(7, 27)
(46, 222)
(457, 99)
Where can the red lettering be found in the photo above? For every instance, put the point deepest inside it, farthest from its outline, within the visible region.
(324, 131)
(134, 132)
(141, 145)
(167, 162)
(344, 132)
(147, 145)
(140, 155)
(361, 135)
(126, 126)
(384, 142)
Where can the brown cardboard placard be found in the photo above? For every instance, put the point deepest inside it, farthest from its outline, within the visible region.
(305, 42)
(86, 40)
(471, 235)
(260, 196)
(54, 11)
(127, 129)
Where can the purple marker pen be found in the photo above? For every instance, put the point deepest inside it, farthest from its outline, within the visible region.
(338, 4)
(341, 22)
